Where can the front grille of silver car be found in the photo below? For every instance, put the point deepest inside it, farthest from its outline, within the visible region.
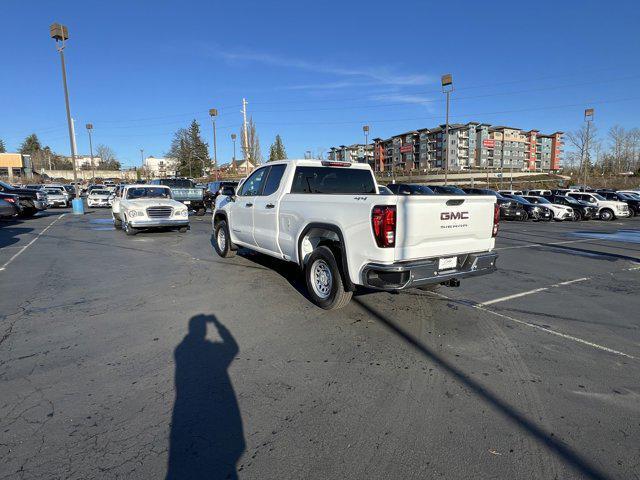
(159, 212)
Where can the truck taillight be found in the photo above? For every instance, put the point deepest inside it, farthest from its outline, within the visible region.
(383, 222)
(496, 219)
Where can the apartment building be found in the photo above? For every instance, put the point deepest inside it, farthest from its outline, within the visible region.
(160, 167)
(471, 145)
(357, 152)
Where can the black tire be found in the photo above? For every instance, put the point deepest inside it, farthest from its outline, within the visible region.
(28, 212)
(201, 211)
(324, 280)
(606, 215)
(128, 229)
(117, 223)
(183, 229)
(524, 217)
(577, 216)
(222, 240)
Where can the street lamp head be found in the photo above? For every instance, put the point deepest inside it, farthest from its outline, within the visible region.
(365, 128)
(58, 32)
(89, 126)
(588, 114)
(213, 112)
(447, 79)
(233, 136)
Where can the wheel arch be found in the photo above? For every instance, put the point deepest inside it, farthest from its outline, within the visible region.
(325, 234)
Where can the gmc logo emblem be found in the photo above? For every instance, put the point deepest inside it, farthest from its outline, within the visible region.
(454, 215)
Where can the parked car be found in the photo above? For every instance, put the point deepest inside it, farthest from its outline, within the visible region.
(559, 212)
(55, 198)
(382, 190)
(509, 208)
(99, 198)
(409, 189)
(31, 201)
(60, 189)
(142, 206)
(581, 210)
(186, 192)
(510, 192)
(328, 218)
(71, 190)
(446, 190)
(8, 209)
(213, 189)
(538, 193)
(607, 209)
(631, 200)
(34, 186)
(534, 212)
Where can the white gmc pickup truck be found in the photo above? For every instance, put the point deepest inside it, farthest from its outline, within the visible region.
(329, 218)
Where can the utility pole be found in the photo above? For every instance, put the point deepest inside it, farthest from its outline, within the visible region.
(447, 88)
(588, 117)
(93, 166)
(213, 113)
(60, 33)
(246, 138)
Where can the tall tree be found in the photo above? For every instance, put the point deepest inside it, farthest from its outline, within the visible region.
(584, 140)
(277, 151)
(190, 151)
(253, 143)
(107, 158)
(31, 146)
(3, 149)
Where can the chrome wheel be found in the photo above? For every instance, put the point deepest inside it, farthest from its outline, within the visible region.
(221, 238)
(321, 278)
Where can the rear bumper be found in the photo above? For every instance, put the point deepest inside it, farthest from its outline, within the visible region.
(399, 276)
(511, 213)
(158, 222)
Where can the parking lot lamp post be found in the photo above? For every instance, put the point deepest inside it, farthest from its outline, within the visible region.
(213, 113)
(60, 34)
(365, 130)
(447, 88)
(233, 162)
(93, 167)
(588, 118)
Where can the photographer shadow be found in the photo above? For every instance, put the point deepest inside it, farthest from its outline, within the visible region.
(207, 437)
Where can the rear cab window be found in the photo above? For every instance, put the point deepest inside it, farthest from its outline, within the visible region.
(333, 181)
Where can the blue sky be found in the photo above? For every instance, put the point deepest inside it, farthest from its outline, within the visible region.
(314, 72)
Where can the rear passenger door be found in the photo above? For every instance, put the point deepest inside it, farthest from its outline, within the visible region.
(265, 210)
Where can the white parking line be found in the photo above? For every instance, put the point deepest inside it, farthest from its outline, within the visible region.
(539, 327)
(530, 292)
(19, 252)
(529, 245)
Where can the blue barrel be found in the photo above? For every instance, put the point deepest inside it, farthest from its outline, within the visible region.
(78, 206)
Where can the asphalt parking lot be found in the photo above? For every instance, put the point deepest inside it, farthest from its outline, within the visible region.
(151, 357)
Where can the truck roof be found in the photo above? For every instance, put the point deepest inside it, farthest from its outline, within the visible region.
(306, 162)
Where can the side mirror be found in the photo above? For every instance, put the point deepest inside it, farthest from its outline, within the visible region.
(228, 191)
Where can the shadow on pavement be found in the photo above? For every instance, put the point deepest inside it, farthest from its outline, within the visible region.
(207, 437)
(565, 453)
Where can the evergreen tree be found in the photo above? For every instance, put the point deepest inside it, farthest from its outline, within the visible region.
(277, 151)
(30, 145)
(3, 149)
(190, 151)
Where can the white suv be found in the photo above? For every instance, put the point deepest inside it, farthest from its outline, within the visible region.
(607, 209)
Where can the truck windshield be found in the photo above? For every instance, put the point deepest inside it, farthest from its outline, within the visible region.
(177, 183)
(333, 180)
(148, 192)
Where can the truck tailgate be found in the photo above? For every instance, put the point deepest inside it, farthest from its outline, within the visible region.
(440, 225)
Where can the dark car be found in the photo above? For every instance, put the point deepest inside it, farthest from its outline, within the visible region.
(509, 209)
(382, 190)
(31, 201)
(8, 206)
(409, 189)
(581, 210)
(634, 203)
(213, 189)
(71, 190)
(534, 212)
(446, 190)
(184, 190)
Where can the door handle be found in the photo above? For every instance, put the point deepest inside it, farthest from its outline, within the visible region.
(248, 204)
(270, 205)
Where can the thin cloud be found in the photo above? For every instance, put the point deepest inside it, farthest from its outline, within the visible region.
(376, 75)
(422, 100)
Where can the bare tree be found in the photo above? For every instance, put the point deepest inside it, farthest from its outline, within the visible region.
(253, 142)
(584, 140)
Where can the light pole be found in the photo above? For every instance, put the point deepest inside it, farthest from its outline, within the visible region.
(93, 167)
(447, 88)
(142, 160)
(213, 113)
(588, 117)
(233, 162)
(60, 34)
(365, 130)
